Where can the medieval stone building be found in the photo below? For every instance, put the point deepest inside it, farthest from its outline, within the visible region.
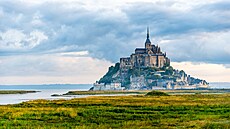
(136, 72)
(150, 56)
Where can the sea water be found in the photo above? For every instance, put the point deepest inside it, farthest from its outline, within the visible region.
(45, 92)
(220, 85)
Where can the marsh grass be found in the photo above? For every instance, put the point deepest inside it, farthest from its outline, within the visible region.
(104, 92)
(16, 91)
(177, 111)
(142, 92)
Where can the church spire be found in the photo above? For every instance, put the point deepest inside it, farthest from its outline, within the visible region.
(148, 40)
(147, 32)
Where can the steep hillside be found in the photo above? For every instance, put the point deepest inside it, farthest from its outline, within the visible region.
(152, 76)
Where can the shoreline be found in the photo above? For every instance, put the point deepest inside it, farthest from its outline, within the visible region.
(142, 92)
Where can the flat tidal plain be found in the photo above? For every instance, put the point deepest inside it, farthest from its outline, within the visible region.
(139, 111)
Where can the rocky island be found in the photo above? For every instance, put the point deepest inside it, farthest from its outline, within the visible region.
(145, 69)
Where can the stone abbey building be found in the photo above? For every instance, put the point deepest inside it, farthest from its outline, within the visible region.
(147, 68)
(150, 56)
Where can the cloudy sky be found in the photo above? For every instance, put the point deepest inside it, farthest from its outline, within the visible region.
(75, 41)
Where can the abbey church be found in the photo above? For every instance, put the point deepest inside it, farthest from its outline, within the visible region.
(150, 56)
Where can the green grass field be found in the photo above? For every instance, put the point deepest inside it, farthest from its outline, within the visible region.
(105, 92)
(16, 92)
(174, 111)
(209, 91)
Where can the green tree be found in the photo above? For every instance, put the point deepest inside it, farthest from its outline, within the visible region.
(107, 78)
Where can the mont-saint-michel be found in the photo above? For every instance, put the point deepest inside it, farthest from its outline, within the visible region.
(147, 68)
(173, 75)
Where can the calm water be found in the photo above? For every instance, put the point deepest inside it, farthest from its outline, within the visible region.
(225, 85)
(47, 90)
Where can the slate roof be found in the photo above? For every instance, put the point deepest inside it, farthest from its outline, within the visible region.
(140, 50)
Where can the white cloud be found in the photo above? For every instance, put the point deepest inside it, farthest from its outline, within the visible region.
(36, 20)
(35, 38)
(51, 68)
(16, 39)
(12, 38)
(80, 53)
(206, 71)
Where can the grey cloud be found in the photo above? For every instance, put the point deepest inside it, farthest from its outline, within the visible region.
(200, 47)
(218, 6)
(108, 35)
(166, 21)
